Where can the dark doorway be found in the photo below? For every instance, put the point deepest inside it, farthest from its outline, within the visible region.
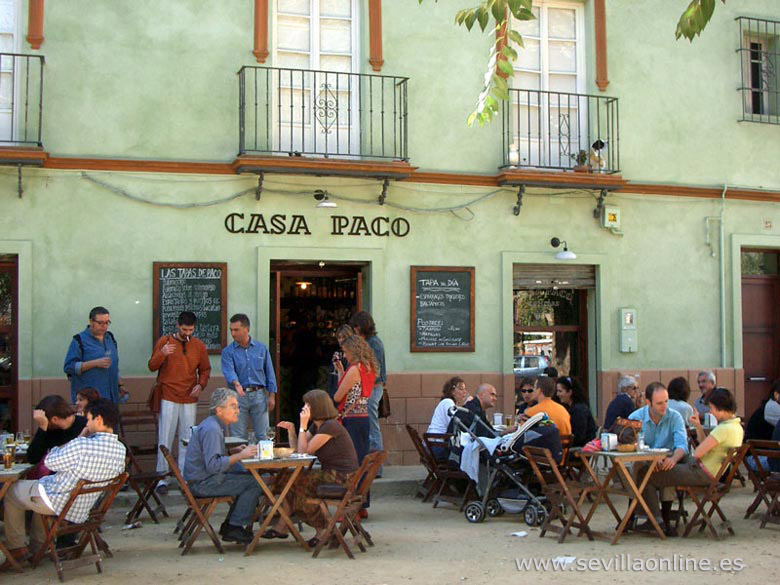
(760, 324)
(9, 328)
(309, 303)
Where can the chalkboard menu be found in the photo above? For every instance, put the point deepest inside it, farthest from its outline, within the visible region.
(197, 287)
(442, 308)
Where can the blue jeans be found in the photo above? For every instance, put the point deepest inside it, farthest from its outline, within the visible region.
(240, 485)
(374, 431)
(255, 405)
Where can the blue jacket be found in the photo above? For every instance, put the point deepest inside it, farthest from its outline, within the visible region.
(85, 347)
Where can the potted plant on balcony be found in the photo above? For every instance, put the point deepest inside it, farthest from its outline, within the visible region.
(581, 158)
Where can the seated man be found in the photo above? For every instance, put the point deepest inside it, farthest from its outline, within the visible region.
(210, 472)
(95, 456)
(624, 403)
(476, 418)
(57, 423)
(663, 428)
(545, 390)
(706, 381)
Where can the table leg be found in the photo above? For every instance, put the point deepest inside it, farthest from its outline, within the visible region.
(602, 492)
(637, 498)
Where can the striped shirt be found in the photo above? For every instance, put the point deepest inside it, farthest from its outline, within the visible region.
(100, 457)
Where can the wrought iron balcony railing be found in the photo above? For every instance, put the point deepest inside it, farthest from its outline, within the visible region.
(21, 99)
(549, 129)
(303, 112)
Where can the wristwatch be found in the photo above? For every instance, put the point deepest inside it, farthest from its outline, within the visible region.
(301, 431)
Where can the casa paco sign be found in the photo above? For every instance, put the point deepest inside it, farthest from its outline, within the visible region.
(341, 225)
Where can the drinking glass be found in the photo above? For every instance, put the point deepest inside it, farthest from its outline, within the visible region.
(271, 433)
(26, 436)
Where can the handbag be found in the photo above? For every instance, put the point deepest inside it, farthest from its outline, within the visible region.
(384, 405)
(627, 430)
(155, 398)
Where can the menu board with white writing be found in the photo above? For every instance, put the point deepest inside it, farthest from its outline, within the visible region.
(197, 287)
(442, 308)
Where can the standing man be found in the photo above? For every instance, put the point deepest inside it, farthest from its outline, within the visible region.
(363, 324)
(93, 359)
(706, 382)
(183, 367)
(247, 367)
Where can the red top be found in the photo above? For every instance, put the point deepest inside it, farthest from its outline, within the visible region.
(179, 372)
(367, 378)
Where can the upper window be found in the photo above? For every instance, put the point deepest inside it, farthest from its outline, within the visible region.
(759, 53)
(9, 37)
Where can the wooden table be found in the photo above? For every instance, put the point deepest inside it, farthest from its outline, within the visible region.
(634, 493)
(287, 469)
(7, 479)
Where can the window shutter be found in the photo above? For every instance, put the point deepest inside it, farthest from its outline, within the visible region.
(539, 276)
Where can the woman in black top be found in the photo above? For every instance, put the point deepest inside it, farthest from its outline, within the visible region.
(572, 396)
(57, 424)
(758, 427)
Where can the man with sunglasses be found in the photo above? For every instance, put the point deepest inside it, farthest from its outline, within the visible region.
(93, 359)
(183, 369)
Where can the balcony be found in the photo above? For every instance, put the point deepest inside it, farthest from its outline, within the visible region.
(547, 130)
(21, 109)
(323, 122)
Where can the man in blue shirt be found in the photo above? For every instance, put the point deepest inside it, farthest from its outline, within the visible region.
(93, 360)
(663, 428)
(247, 367)
(210, 472)
(624, 403)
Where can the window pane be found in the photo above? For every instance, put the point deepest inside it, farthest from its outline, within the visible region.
(294, 6)
(759, 263)
(566, 83)
(6, 90)
(526, 80)
(293, 61)
(528, 27)
(6, 43)
(293, 33)
(336, 36)
(341, 8)
(563, 56)
(528, 56)
(561, 23)
(337, 63)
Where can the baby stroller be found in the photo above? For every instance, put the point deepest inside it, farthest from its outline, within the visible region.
(504, 487)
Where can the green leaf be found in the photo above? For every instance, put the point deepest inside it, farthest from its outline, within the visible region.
(483, 17)
(499, 11)
(506, 67)
(516, 37)
(508, 52)
(470, 18)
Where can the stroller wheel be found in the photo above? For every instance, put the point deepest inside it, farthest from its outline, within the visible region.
(474, 512)
(541, 515)
(494, 508)
(530, 515)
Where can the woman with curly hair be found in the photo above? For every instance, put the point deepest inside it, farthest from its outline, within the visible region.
(572, 395)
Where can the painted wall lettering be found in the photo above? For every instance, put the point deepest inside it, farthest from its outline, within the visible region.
(341, 225)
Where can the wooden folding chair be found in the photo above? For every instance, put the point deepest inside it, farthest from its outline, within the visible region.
(711, 494)
(772, 514)
(561, 494)
(430, 484)
(447, 476)
(345, 516)
(199, 510)
(144, 484)
(56, 526)
(760, 475)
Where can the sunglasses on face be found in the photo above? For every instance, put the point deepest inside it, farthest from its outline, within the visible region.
(526, 390)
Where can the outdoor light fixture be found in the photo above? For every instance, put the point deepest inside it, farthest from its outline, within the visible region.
(303, 284)
(324, 202)
(565, 254)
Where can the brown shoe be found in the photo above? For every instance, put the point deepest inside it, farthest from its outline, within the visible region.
(21, 555)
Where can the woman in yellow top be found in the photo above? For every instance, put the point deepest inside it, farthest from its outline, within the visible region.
(708, 456)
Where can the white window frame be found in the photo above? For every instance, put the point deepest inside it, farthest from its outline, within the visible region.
(542, 144)
(748, 40)
(16, 48)
(314, 64)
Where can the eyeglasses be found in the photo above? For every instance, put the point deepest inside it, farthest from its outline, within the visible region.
(526, 390)
(104, 323)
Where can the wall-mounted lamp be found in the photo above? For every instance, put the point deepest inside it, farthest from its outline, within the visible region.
(303, 284)
(564, 254)
(324, 202)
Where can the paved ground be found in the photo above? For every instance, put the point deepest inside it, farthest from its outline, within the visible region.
(417, 544)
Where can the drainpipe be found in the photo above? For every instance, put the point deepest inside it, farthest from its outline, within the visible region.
(722, 261)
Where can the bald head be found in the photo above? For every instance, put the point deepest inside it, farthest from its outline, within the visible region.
(487, 395)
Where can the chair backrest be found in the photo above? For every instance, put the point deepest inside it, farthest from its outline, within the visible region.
(544, 466)
(372, 463)
(435, 440)
(566, 441)
(426, 458)
(758, 448)
(185, 489)
(107, 489)
(730, 466)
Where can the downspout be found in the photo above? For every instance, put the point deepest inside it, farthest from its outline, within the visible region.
(722, 262)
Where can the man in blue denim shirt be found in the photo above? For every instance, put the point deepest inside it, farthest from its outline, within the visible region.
(210, 472)
(247, 367)
(93, 360)
(663, 428)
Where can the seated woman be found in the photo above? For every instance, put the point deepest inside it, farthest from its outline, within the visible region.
(330, 442)
(453, 393)
(572, 395)
(708, 456)
(84, 397)
(679, 392)
(58, 424)
(760, 424)
(524, 395)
